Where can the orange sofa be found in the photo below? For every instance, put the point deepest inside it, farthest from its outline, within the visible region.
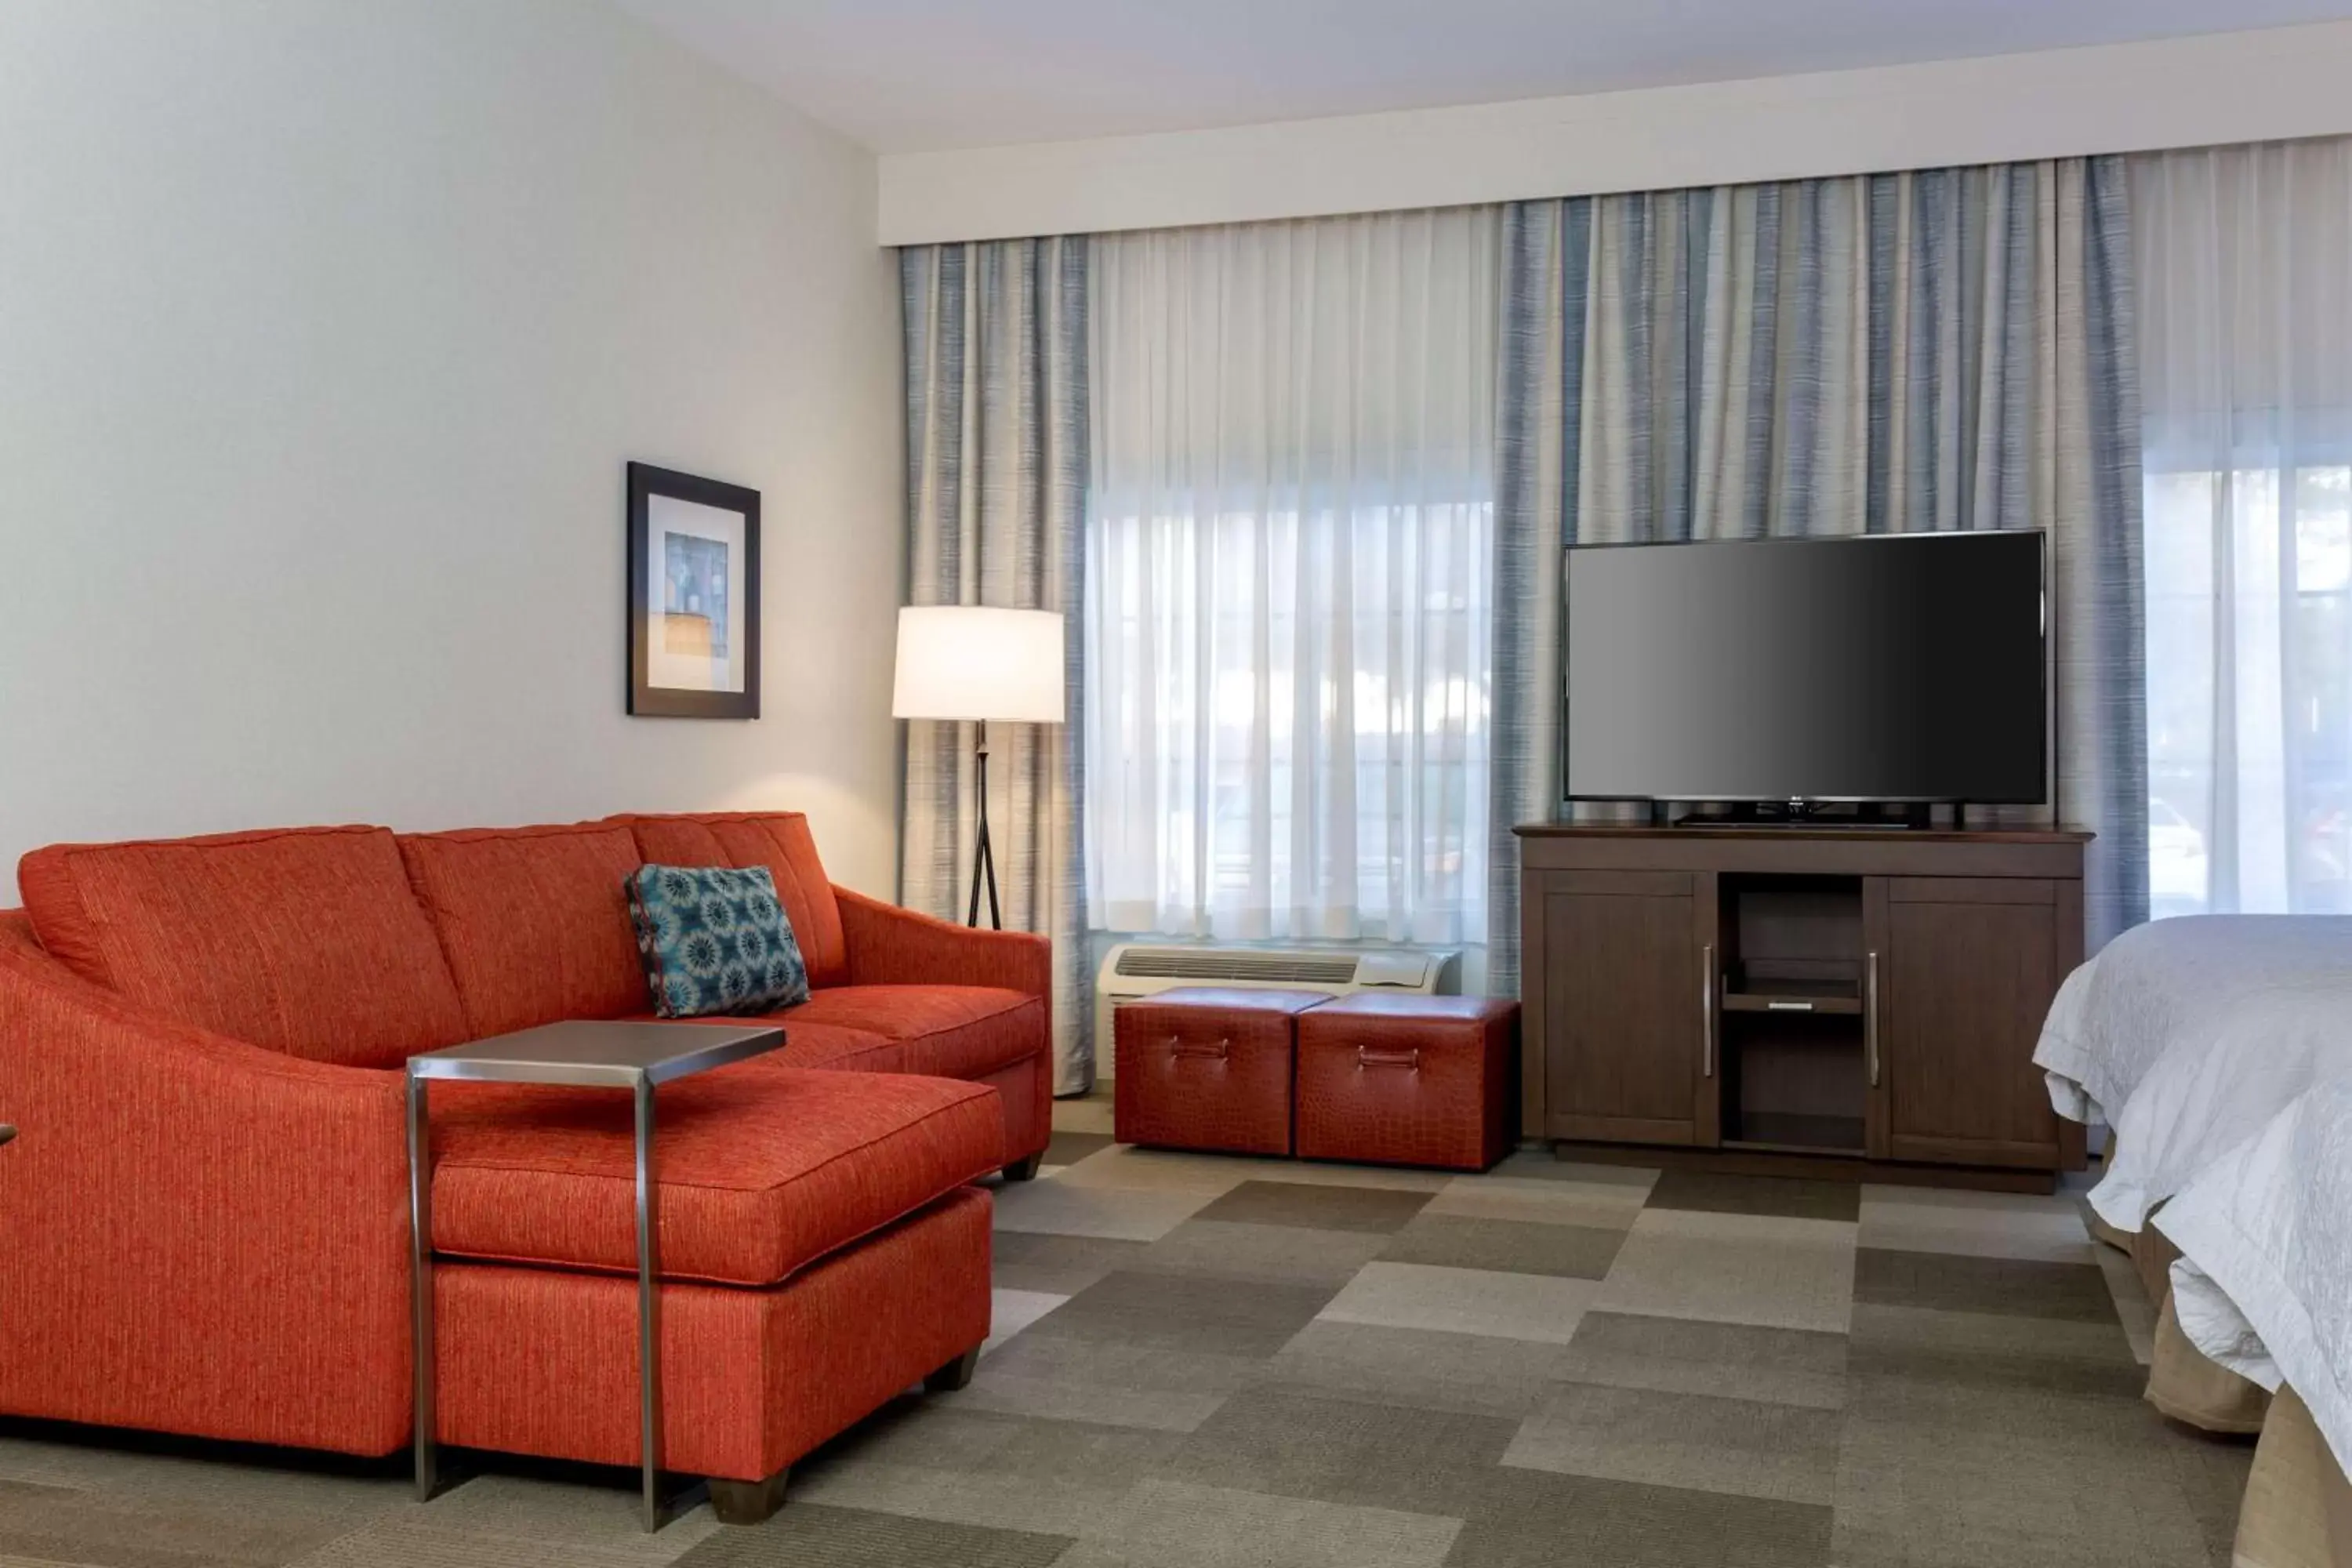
(204, 1221)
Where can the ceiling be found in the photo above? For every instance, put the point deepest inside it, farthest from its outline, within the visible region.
(921, 75)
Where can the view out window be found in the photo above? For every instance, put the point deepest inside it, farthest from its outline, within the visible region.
(1289, 568)
(2250, 689)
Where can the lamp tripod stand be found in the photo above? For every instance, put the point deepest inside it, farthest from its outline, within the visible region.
(961, 663)
(984, 858)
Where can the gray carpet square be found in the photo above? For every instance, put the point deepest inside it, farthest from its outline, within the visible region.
(1733, 1361)
(2075, 1292)
(1069, 1146)
(1987, 1225)
(1596, 1205)
(1536, 1165)
(1261, 1253)
(1107, 1381)
(1187, 1312)
(1531, 1519)
(1308, 1444)
(1317, 1206)
(1994, 1351)
(62, 1524)
(1464, 1301)
(1475, 1374)
(813, 1535)
(1058, 1264)
(1783, 1452)
(1063, 1207)
(1959, 1475)
(204, 1475)
(1716, 1193)
(1765, 1269)
(2212, 1479)
(1504, 1245)
(408, 1541)
(937, 1459)
(1171, 1524)
(601, 1517)
(2133, 1308)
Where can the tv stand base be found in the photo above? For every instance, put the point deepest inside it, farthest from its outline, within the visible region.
(1810, 814)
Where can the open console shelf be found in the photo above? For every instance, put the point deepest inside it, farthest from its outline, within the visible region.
(1791, 960)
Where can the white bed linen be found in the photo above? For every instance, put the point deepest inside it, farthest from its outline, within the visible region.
(2202, 1100)
(2264, 1285)
(2199, 984)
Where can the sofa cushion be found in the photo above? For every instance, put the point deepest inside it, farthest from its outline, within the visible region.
(534, 920)
(762, 1172)
(713, 941)
(951, 1031)
(780, 841)
(306, 941)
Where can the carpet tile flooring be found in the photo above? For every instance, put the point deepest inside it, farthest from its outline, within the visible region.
(1203, 1361)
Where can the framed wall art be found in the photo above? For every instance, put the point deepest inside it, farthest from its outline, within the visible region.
(694, 597)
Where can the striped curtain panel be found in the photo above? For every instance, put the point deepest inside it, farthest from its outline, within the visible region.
(1939, 349)
(996, 476)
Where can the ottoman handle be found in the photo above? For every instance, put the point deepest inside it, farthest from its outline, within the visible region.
(1372, 1056)
(1179, 1047)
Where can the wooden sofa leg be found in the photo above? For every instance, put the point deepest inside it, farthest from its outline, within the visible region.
(1025, 1170)
(748, 1502)
(956, 1374)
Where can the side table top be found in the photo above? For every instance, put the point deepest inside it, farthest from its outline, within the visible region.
(616, 1055)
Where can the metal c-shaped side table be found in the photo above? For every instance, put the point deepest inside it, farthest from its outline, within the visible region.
(635, 1057)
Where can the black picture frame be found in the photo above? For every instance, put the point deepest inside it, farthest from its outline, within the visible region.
(647, 698)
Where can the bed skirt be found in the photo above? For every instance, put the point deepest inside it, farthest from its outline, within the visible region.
(2298, 1507)
(2183, 1382)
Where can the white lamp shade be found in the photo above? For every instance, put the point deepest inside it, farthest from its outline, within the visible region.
(966, 661)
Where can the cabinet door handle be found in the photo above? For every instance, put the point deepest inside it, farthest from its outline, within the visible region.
(1870, 1012)
(6, 1133)
(1706, 1010)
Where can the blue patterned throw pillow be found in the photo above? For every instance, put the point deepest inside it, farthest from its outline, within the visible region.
(715, 940)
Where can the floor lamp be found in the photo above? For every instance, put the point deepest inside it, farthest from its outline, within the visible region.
(968, 662)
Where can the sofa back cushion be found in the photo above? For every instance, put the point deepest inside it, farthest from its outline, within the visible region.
(780, 841)
(534, 920)
(306, 941)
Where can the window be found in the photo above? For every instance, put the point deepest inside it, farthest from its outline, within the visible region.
(2245, 322)
(2250, 689)
(1290, 575)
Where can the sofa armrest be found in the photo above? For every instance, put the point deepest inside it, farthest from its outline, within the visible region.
(196, 1235)
(891, 946)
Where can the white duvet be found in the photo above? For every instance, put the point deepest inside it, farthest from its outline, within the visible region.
(2169, 984)
(2264, 1285)
(2186, 1036)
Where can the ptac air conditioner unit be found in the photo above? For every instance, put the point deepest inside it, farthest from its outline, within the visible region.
(1135, 969)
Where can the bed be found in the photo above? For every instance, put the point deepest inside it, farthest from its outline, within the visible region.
(2169, 984)
(2185, 1036)
(2263, 1288)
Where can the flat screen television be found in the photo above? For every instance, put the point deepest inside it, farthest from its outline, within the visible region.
(1887, 668)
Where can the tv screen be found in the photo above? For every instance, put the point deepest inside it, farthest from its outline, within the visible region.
(1885, 667)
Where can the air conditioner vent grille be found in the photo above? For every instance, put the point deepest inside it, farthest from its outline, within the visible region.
(1293, 968)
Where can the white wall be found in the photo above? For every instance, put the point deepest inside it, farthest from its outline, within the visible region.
(325, 332)
(2231, 87)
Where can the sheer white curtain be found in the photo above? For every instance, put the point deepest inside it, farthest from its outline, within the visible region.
(1290, 540)
(2244, 262)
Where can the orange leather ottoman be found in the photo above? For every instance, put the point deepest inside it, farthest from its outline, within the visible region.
(1408, 1081)
(1201, 1067)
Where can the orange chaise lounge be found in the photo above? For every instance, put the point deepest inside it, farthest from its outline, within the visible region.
(204, 1221)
